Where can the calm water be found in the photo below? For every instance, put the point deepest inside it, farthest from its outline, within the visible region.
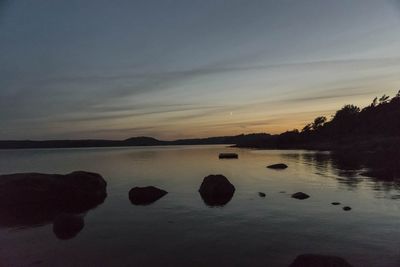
(180, 230)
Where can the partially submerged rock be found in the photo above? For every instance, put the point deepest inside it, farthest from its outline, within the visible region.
(145, 195)
(33, 198)
(316, 260)
(346, 208)
(228, 156)
(216, 190)
(300, 195)
(335, 203)
(278, 166)
(76, 188)
(261, 194)
(67, 226)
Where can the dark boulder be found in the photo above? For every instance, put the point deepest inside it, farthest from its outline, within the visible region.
(28, 199)
(228, 156)
(73, 188)
(279, 166)
(145, 195)
(346, 208)
(261, 194)
(67, 226)
(300, 195)
(335, 203)
(315, 260)
(216, 190)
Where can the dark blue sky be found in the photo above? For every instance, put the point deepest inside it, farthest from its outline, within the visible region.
(173, 69)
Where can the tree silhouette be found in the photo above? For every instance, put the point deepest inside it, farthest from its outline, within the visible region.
(318, 123)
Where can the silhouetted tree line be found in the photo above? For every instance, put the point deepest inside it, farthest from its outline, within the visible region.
(380, 118)
(349, 125)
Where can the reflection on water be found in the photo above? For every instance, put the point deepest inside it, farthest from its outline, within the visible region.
(180, 230)
(67, 226)
(348, 170)
(216, 201)
(26, 216)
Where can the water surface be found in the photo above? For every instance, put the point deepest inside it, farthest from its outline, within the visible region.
(181, 230)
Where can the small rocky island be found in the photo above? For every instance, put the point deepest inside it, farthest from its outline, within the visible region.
(228, 156)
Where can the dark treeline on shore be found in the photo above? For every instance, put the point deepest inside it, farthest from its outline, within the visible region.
(369, 137)
(367, 128)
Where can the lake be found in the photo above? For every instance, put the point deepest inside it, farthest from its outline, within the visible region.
(181, 230)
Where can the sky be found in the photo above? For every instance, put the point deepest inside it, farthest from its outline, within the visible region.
(180, 69)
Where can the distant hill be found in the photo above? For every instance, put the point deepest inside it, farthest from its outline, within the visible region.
(133, 141)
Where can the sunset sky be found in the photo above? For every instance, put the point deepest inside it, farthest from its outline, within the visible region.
(178, 69)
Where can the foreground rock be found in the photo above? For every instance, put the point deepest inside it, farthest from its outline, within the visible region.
(34, 198)
(335, 203)
(261, 194)
(145, 195)
(346, 208)
(80, 188)
(315, 260)
(67, 226)
(300, 195)
(216, 190)
(279, 166)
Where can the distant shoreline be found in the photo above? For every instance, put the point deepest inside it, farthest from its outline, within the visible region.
(134, 141)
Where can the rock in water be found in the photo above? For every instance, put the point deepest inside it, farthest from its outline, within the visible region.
(35, 198)
(145, 195)
(315, 260)
(76, 188)
(228, 156)
(261, 194)
(335, 203)
(216, 190)
(300, 195)
(28, 199)
(346, 208)
(67, 226)
(279, 166)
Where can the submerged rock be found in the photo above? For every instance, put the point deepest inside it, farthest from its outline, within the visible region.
(316, 260)
(261, 194)
(67, 226)
(300, 195)
(335, 203)
(228, 156)
(145, 195)
(33, 198)
(346, 208)
(216, 190)
(279, 166)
